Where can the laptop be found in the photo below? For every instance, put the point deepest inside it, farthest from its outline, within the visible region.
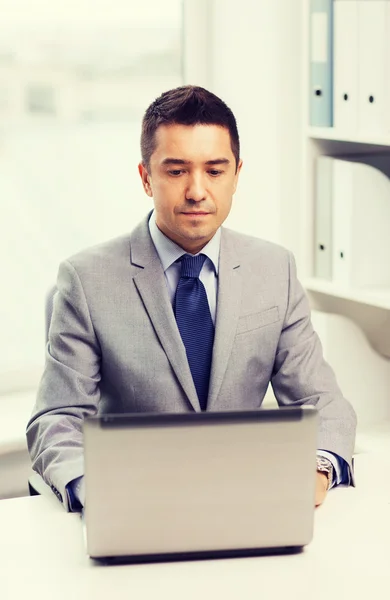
(199, 485)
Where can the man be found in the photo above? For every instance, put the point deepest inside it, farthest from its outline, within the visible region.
(182, 314)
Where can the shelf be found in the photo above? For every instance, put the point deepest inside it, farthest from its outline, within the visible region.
(349, 143)
(329, 133)
(377, 297)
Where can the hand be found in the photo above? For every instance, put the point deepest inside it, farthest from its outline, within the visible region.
(321, 488)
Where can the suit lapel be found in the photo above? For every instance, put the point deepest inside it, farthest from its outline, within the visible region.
(228, 310)
(151, 285)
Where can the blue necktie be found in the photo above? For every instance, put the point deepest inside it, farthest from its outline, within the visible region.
(195, 324)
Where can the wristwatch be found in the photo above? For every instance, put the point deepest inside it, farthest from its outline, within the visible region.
(325, 466)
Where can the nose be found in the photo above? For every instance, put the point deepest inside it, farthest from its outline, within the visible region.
(196, 190)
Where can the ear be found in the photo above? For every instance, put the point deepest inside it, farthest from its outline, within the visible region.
(237, 176)
(145, 178)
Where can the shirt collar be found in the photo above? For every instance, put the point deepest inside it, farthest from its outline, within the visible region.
(169, 251)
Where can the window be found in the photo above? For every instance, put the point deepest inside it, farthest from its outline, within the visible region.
(80, 75)
(40, 99)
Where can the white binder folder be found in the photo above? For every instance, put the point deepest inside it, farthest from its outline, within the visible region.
(372, 62)
(342, 221)
(323, 218)
(346, 67)
(360, 217)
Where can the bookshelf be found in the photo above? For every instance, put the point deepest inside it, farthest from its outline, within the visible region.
(371, 297)
(332, 134)
(338, 143)
(369, 307)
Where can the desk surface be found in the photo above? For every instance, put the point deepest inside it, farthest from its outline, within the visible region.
(42, 554)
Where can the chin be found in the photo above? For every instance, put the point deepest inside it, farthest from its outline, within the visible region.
(197, 234)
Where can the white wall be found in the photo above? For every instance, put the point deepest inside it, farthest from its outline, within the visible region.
(197, 42)
(255, 61)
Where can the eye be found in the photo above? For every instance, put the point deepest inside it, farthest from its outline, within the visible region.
(175, 172)
(215, 172)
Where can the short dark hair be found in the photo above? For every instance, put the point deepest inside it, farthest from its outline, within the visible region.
(186, 105)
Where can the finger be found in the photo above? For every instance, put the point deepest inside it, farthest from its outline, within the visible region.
(321, 489)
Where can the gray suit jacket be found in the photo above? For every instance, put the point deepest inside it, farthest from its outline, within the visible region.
(114, 347)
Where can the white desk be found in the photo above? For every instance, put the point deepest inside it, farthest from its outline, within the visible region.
(42, 554)
(15, 463)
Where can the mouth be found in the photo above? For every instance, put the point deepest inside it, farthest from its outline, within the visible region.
(196, 214)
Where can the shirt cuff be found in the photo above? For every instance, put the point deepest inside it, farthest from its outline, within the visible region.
(340, 468)
(76, 494)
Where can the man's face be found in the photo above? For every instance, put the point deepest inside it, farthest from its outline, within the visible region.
(192, 180)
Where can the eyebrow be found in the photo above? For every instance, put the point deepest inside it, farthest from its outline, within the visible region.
(180, 161)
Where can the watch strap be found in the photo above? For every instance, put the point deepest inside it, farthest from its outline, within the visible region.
(325, 466)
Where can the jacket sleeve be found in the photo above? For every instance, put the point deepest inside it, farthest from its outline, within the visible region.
(69, 387)
(302, 376)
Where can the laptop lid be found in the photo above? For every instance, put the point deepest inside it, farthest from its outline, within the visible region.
(160, 485)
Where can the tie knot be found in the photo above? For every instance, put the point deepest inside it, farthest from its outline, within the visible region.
(191, 266)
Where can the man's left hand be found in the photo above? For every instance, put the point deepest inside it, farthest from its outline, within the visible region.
(321, 488)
